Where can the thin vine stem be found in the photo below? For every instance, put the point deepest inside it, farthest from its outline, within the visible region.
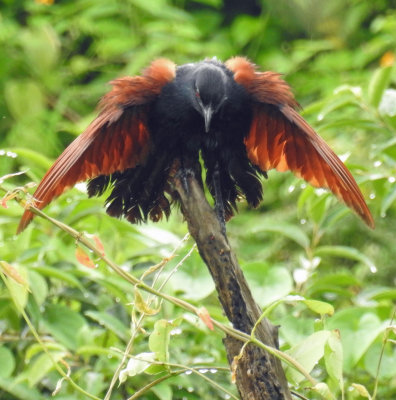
(385, 340)
(129, 346)
(81, 238)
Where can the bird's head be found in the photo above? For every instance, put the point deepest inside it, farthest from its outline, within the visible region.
(210, 84)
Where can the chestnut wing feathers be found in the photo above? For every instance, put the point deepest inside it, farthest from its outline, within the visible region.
(280, 138)
(116, 140)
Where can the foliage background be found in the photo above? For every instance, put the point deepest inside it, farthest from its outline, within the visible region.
(56, 58)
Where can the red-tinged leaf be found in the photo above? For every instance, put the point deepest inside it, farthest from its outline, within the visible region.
(83, 258)
(387, 59)
(45, 2)
(205, 317)
(12, 193)
(12, 273)
(8, 196)
(99, 244)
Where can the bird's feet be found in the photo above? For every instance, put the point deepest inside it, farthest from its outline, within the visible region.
(183, 174)
(219, 205)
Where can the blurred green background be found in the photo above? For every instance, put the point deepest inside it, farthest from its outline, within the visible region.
(56, 58)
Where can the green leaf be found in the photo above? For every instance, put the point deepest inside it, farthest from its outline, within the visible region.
(41, 366)
(333, 283)
(64, 324)
(142, 306)
(37, 348)
(155, 369)
(318, 207)
(292, 232)
(268, 284)
(19, 390)
(61, 275)
(13, 274)
(324, 391)
(378, 83)
(38, 286)
(212, 3)
(95, 383)
(7, 362)
(24, 98)
(87, 350)
(346, 252)
(334, 358)
(19, 293)
(193, 284)
(160, 338)
(307, 353)
(337, 102)
(41, 47)
(383, 293)
(163, 391)
(163, 10)
(305, 197)
(295, 330)
(245, 28)
(33, 157)
(192, 280)
(359, 328)
(111, 323)
(387, 201)
(388, 366)
(319, 307)
(362, 391)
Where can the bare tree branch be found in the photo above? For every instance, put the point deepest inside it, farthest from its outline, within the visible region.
(259, 375)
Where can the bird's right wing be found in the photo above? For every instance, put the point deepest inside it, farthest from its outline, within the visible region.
(116, 140)
(280, 138)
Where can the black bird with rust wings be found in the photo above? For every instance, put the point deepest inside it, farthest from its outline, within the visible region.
(241, 122)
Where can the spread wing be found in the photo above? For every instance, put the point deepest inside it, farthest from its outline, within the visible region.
(116, 140)
(280, 138)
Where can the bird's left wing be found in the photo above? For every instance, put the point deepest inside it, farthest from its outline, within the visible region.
(280, 138)
(116, 140)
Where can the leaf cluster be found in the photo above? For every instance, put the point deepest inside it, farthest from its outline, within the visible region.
(314, 268)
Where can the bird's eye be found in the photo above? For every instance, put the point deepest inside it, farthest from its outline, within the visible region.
(197, 94)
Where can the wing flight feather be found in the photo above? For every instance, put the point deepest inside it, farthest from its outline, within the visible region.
(116, 140)
(280, 138)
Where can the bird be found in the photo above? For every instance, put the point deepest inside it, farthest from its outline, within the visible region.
(229, 118)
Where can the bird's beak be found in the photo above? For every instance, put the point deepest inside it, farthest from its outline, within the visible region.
(207, 114)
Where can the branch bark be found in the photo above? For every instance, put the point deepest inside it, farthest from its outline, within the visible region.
(259, 375)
